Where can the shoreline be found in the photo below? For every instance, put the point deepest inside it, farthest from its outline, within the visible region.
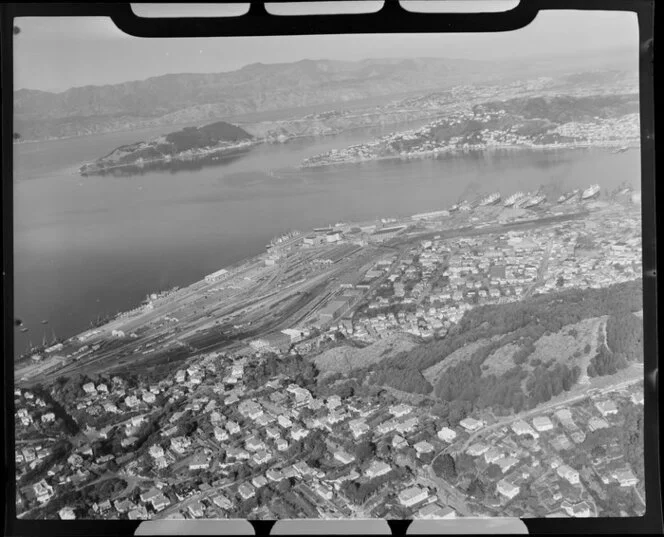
(488, 149)
(234, 267)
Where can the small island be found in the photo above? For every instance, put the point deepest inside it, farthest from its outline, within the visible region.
(187, 144)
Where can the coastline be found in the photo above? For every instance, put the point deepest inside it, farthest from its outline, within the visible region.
(453, 151)
(184, 156)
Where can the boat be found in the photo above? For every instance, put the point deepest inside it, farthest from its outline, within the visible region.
(591, 192)
(24, 329)
(465, 206)
(620, 149)
(534, 201)
(45, 321)
(491, 199)
(454, 208)
(511, 200)
(519, 203)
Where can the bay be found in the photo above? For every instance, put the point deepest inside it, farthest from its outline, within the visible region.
(91, 246)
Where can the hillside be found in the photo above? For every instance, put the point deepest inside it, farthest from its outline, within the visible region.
(178, 98)
(512, 357)
(187, 143)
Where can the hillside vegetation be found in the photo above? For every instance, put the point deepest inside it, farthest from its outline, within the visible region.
(527, 381)
(214, 135)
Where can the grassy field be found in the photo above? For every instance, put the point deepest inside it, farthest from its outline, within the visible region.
(345, 358)
(432, 374)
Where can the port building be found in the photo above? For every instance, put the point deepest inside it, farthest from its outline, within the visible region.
(216, 276)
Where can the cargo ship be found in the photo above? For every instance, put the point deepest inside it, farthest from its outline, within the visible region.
(519, 203)
(534, 201)
(511, 200)
(591, 192)
(465, 206)
(491, 199)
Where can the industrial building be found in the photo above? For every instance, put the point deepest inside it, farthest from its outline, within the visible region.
(332, 310)
(216, 276)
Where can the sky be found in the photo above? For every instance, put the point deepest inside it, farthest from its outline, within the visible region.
(57, 53)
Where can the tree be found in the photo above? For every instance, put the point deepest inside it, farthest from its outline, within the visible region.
(284, 486)
(560, 282)
(493, 471)
(476, 489)
(365, 450)
(445, 467)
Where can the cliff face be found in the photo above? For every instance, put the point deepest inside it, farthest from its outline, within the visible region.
(178, 98)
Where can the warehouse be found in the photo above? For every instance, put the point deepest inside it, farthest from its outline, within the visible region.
(332, 310)
(216, 276)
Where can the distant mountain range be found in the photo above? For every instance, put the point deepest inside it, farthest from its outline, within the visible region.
(181, 98)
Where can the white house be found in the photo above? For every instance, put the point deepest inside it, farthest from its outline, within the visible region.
(446, 434)
(507, 489)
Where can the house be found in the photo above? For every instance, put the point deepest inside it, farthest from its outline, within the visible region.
(333, 402)
(400, 410)
(220, 434)
(625, 477)
(303, 468)
(298, 433)
(149, 397)
(259, 481)
(324, 491)
(67, 513)
(423, 447)
(637, 398)
(160, 502)
(358, 428)
(594, 424)
(606, 408)
(343, 457)
(406, 426)
(477, 449)
(261, 457)
(89, 388)
(254, 444)
(435, 511)
(507, 489)
(542, 423)
(232, 427)
(492, 455)
(196, 509)
(179, 444)
(568, 473)
(284, 422)
(148, 495)
(49, 417)
(132, 401)
(377, 468)
(246, 490)
(412, 496)
(221, 501)
(506, 463)
(274, 475)
(399, 442)
(471, 424)
(156, 451)
(281, 444)
(199, 462)
(446, 434)
(272, 432)
(521, 428)
(42, 491)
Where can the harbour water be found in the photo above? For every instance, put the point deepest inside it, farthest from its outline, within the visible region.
(86, 247)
